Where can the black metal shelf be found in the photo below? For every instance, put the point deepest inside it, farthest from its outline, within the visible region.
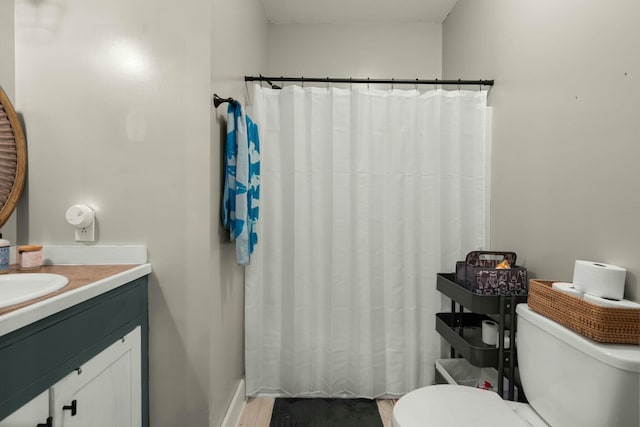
(483, 304)
(463, 330)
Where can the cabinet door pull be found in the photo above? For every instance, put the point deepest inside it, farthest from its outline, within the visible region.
(73, 407)
(49, 423)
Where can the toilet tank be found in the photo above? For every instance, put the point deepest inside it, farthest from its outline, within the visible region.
(572, 381)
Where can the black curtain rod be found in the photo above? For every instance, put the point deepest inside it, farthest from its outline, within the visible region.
(458, 82)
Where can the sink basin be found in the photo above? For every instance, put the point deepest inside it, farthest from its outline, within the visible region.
(17, 288)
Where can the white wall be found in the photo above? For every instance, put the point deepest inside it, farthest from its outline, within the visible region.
(117, 101)
(239, 48)
(393, 50)
(7, 50)
(566, 126)
(7, 81)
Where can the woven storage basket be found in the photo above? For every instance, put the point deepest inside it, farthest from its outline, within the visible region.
(601, 324)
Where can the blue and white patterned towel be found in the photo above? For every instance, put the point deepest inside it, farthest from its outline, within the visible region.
(240, 204)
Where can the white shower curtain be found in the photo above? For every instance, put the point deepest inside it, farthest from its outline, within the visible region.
(366, 195)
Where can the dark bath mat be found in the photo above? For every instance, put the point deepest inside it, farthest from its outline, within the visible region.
(320, 412)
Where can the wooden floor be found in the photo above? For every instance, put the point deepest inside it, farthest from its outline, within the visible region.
(257, 412)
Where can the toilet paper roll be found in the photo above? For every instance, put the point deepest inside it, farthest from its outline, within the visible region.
(599, 279)
(489, 332)
(604, 302)
(507, 339)
(567, 288)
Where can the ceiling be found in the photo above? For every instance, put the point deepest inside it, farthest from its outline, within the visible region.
(356, 11)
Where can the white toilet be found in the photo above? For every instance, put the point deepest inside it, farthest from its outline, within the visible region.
(569, 381)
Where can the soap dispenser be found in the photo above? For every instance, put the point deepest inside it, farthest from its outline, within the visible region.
(4, 255)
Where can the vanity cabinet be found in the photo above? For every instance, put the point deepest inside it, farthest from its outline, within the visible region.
(91, 362)
(105, 391)
(30, 415)
(463, 330)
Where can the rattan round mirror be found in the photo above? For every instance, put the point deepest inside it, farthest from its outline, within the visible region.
(13, 158)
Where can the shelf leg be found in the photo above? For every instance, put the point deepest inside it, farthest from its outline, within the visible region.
(501, 350)
(512, 346)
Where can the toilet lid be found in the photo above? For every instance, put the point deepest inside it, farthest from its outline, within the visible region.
(448, 405)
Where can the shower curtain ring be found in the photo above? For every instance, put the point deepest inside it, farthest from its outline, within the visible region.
(459, 80)
(368, 79)
(350, 83)
(392, 79)
(416, 84)
(302, 81)
(435, 85)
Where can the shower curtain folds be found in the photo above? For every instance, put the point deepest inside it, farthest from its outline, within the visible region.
(366, 195)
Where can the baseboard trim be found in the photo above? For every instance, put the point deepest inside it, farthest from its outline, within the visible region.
(234, 412)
